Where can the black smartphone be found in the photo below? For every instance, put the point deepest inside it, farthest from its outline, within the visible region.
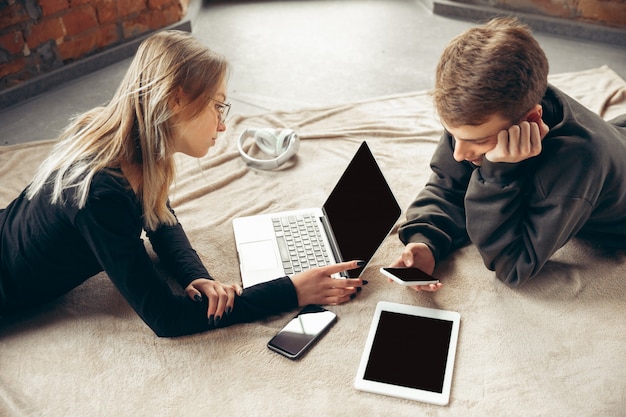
(409, 276)
(302, 331)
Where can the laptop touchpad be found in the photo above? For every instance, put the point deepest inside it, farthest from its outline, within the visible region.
(258, 255)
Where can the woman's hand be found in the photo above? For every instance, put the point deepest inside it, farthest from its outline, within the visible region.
(316, 286)
(221, 297)
(418, 255)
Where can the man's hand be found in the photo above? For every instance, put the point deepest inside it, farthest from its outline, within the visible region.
(519, 142)
(418, 255)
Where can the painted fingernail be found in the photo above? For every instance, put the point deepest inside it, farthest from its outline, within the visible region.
(228, 310)
(352, 296)
(365, 282)
(360, 263)
(358, 289)
(197, 297)
(217, 320)
(211, 320)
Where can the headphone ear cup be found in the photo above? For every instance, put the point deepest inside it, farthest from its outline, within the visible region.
(282, 141)
(267, 142)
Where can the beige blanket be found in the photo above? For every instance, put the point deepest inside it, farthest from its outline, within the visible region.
(556, 347)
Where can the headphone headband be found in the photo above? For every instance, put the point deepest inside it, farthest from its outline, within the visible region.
(282, 144)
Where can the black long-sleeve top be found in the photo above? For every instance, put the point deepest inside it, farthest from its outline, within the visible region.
(48, 249)
(519, 215)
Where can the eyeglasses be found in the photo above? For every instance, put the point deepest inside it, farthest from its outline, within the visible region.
(222, 109)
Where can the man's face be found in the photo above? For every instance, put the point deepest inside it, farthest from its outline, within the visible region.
(471, 143)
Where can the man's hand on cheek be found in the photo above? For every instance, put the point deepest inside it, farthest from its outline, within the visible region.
(518, 143)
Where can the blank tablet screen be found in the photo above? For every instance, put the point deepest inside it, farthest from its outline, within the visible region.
(410, 351)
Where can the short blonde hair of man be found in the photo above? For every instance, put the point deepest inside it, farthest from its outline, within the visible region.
(498, 68)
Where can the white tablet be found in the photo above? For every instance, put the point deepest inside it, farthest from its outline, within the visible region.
(409, 353)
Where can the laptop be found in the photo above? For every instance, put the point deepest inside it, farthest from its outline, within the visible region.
(351, 225)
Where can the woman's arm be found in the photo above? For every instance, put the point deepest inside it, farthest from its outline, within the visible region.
(175, 252)
(111, 226)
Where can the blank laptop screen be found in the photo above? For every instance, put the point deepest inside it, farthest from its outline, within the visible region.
(361, 209)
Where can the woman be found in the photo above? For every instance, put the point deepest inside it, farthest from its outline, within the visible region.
(107, 181)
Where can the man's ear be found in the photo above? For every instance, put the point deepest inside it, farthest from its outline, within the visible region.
(534, 115)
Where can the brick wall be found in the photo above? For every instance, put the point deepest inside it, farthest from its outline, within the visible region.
(37, 36)
(611, 13)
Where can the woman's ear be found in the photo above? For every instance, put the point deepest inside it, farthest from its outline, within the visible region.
(176, 101)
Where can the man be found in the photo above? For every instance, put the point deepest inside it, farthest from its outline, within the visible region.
(521, 167)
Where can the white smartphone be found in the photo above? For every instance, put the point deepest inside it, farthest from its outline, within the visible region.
(409, 276)
(302, 331)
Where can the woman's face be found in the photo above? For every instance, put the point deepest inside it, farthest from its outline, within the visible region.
(195, 136)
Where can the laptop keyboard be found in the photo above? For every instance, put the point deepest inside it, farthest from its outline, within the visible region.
(300, 243)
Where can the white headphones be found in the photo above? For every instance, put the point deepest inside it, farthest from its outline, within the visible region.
(281, 144)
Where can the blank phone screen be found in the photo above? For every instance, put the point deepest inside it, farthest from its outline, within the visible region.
(302, 330)
(410, 274)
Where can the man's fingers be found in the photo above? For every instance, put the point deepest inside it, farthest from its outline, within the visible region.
(524, 145)
(429, 288)
(535, 139)
(514, 140)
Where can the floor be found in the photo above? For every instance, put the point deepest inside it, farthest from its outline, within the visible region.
(289, 54)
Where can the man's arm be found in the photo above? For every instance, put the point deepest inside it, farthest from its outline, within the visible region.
(437, 216)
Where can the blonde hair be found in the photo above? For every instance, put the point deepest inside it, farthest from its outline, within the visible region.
(136, 126)
(497, 68)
